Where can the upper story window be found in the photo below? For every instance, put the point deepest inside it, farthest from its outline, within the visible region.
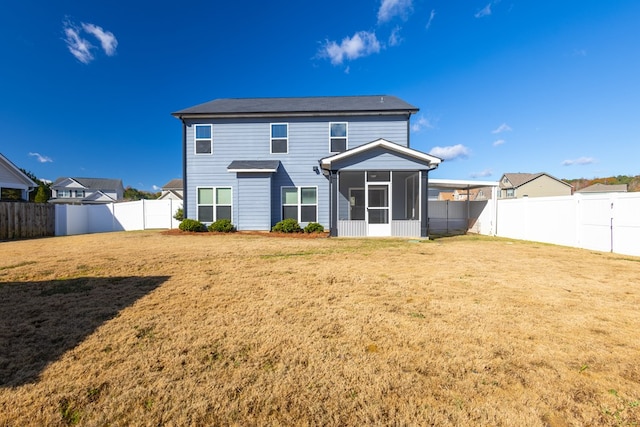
(338, 139)
(279, 138)
(79, 193)
(64, 193)
(203, 139)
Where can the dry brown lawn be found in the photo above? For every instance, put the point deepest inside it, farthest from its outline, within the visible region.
(149, 328)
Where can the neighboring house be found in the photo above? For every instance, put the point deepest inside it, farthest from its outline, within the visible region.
(14, 181)
(86, 191)
(604, 188)
(518, 185)
(344, 162)
(172, 190)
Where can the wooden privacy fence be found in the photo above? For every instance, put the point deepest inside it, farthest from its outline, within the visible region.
(21, 220)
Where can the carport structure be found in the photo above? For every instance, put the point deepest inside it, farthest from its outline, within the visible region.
(457, 217)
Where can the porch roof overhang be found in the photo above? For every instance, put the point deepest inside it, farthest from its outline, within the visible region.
(432, 161)
(253, 166)
(460, 184)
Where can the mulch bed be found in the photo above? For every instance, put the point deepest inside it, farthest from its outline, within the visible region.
(178, 232)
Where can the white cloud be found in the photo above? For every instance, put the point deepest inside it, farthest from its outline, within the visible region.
(81, 48)
(107, 39)
(389, 9)
(450, 152)
(431, 16)
(579, 161)
(41, 158)
(502, 128)
(363, 43)
(482, 174)
(485, 11)
(394, 38)
(156, 188)
(580, 52)
(422, 123)
(498, 142)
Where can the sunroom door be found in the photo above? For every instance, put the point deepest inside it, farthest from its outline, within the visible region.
(378, 214)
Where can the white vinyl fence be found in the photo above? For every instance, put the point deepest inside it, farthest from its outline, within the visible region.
(608, 222)
(126, 216)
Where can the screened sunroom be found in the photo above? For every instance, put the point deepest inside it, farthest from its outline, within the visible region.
(379, 189)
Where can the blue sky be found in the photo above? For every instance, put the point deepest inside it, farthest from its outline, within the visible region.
(87, 88)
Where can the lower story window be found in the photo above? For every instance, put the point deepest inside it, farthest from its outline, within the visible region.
(214, 203)
(300, 203)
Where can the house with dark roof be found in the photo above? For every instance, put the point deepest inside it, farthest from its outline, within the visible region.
(344, 162)
(518, 185)
(86, 191)
(14, 184)
(172, 190)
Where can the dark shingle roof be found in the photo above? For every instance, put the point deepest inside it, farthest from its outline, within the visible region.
(93, 183)
(174, 184)
(302, 105)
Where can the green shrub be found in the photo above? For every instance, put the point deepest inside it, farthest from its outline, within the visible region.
(314, 227)
(191, 225)
(288, 225)
(222, 226)
(179, 215)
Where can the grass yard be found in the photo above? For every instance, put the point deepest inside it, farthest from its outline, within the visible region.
(150, 328)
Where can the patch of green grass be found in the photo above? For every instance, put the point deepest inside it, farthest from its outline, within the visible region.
(145, 333)
(69, 413)
(20, 264)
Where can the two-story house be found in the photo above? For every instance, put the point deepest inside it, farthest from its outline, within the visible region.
(344, 162)
(86, 191)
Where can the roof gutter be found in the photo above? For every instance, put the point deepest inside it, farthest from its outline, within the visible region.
(376, 113)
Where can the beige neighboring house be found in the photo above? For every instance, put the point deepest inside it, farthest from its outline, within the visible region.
(12, 178)
(172, 190)
(518, 185)
(604, 188)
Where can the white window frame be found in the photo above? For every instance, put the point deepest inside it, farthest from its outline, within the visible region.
(215, 203)
(196, 139)
(299, 204)
(272, 138)
(345, 137)
(63, 194)
(510, 193)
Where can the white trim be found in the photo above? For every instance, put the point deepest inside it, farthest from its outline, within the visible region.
(271, 125)
(326, 162)
(458, 184)
(252, 170)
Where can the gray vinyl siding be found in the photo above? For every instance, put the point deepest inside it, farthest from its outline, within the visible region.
(249, 139)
